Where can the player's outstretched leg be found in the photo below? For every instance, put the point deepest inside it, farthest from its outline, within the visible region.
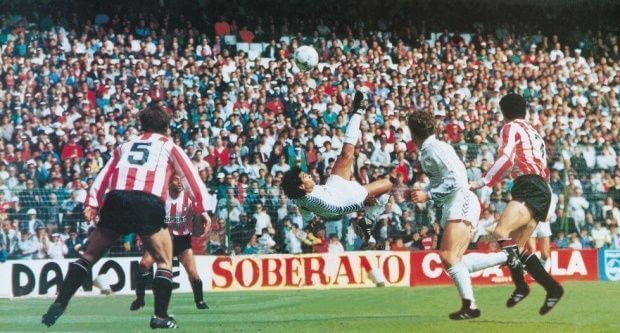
(344, 162)
(454, 242)
(99, 242)
(143, 275)
(479, 261)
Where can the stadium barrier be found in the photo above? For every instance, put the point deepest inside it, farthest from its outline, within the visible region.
(609, 265)
(285, 271)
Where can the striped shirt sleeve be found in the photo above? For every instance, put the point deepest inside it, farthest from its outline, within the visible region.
(191, 179)
(506, 155)
(102, 182)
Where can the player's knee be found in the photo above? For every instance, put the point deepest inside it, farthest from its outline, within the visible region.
(501, 232)
(347, 154)
(448, 258)
(162, 260)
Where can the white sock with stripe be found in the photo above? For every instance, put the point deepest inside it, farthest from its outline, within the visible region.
(478, 261)
(353, 133)
(459, 273)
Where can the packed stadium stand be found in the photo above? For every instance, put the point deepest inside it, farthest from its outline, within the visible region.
(74, 76)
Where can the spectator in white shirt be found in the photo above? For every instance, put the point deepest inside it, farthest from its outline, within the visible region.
(282, 166)
(606, 160)
(329, 153)
(262, 220)
(601, 236)
(577, 206)
(575, 243)
(292, 238)
(380, 156)
(57, 249)
(265, 242)
(334, 245)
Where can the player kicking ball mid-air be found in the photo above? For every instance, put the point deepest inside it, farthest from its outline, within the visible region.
(179, 219)
(460, 210)
(523, 148)
(129, 195)
(340, 195)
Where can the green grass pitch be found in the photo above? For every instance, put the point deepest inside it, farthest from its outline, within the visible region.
(587, 307)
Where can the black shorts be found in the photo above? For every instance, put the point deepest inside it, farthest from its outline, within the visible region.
(534, 191)
(180, 244)
(132, 212)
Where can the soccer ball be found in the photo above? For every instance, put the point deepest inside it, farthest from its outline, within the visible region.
(306, 58)
(103, 283)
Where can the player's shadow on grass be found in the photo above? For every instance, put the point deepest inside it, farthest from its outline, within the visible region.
(519, 322)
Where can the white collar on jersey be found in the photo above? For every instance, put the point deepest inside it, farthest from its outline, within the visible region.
(428, 141)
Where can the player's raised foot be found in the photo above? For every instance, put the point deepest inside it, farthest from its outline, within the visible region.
(165, 323)
(136, 304)
(201, 305)
(53, 313)
(360, 103)
(552, 298)
(517, 296)
(466, 312)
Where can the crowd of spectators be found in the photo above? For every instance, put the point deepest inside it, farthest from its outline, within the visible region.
(71, 86)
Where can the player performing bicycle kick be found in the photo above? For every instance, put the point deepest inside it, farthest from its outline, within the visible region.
(340, 195)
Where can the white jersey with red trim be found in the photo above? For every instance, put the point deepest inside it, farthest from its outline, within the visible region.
(178, 214)
(146, 164)
(522, 151)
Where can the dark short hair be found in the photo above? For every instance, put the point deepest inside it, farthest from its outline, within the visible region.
(513, 106)
(154, 119)
(421, 124)
(291, 183)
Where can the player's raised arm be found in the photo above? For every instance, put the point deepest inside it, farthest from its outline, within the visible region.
(506, 156)
(191, 179)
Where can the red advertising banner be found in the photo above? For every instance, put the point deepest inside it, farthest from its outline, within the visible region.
(426, 268)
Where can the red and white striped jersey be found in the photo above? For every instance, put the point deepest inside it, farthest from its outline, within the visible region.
(178, 215)
(522, 151)
(146, 164)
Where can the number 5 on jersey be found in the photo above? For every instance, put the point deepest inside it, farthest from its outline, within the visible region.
(139, 153)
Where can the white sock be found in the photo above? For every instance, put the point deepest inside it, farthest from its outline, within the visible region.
(478, 261)
(353, 133)
(545, 262)
(462, 280)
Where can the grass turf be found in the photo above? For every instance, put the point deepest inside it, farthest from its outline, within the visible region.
(587, 307)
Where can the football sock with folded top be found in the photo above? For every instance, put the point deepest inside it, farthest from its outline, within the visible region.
(78, 271)
(162, 290)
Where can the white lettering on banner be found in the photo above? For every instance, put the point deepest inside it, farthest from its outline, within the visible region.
(576, 264)
(432, 259)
